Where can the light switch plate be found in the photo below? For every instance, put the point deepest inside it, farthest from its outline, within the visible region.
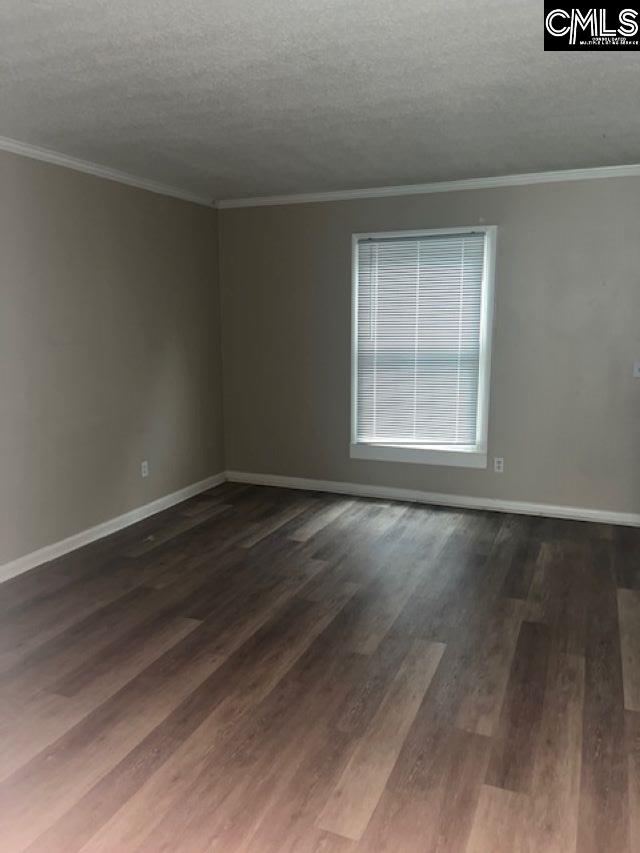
(636, 370)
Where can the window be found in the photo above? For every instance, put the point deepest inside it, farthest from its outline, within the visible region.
(421, 348)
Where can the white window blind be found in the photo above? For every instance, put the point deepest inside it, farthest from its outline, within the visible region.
(418, 339)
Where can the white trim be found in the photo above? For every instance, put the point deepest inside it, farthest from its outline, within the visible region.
(476, 456)
(14, 146)
(627, 171)
(71, 543)
(85, 537)
(36, 152)
(438, 499)
(423, 232)
(486, 337)
(447, 456)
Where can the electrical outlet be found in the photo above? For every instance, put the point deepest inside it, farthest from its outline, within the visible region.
(144, 469)
(636, 370)
(498, 464)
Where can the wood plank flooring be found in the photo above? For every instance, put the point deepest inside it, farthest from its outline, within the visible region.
(260, 669)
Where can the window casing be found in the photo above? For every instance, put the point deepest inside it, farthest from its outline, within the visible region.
(422, 307)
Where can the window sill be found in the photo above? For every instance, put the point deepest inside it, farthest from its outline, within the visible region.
(457, 458)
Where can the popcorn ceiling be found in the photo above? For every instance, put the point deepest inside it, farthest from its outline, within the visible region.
(226, 98)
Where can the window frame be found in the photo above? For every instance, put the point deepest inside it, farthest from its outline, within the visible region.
(473, 456)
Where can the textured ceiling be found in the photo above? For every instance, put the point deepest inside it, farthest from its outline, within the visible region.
(227, 98)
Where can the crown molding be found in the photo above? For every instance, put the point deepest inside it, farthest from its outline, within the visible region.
(35, 152)
(630, 171)
(14, 146)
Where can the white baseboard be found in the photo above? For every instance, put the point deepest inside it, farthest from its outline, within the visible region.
(58, 549)
(71, 543)
(458, 501)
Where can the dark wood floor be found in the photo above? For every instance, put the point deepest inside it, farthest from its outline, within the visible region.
(268, 670)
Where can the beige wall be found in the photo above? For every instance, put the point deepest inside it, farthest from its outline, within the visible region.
(110, 345)
(565, 409)
(109, 350)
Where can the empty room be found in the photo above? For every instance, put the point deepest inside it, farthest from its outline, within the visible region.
(319, 426)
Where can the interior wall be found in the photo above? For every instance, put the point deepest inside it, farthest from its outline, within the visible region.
(109, 350)
(565, 408)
